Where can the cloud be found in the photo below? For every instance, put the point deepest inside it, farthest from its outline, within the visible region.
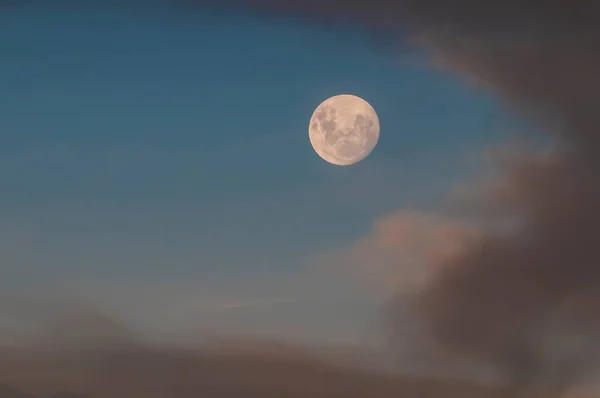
(166, 373)
(400, 248)
(81, 350)
(495, 300)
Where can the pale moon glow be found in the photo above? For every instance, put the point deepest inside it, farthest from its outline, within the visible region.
(344, 129)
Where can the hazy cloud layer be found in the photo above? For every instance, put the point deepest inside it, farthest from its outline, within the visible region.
(74, 349)
(148, 372)
(494, 300)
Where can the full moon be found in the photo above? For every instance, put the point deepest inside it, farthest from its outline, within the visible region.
(344, 129)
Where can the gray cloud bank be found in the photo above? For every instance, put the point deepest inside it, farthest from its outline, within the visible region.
(152, 372)
(526, 300)
(73, 349)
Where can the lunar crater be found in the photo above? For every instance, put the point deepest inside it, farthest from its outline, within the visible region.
(344, 129)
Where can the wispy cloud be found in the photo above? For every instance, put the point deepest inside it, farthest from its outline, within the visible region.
(241, 304)
(401, 247)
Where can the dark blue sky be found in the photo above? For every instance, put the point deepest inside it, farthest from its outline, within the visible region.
(165, 151)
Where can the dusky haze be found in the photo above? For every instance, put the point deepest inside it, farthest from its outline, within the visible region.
(158, 182)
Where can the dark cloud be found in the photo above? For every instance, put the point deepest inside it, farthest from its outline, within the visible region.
(155, 372)
(476, 17)
(502, 296)
(91, 355)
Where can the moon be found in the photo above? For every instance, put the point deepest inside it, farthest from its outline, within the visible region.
(344, 129)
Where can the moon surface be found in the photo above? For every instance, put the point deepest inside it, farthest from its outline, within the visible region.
(344, 129)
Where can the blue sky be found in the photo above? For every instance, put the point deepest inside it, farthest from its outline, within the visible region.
(158, 163)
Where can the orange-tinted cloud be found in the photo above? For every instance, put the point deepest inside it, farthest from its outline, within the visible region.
(401, 247)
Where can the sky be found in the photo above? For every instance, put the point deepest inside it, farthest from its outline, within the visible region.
(157, 164)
